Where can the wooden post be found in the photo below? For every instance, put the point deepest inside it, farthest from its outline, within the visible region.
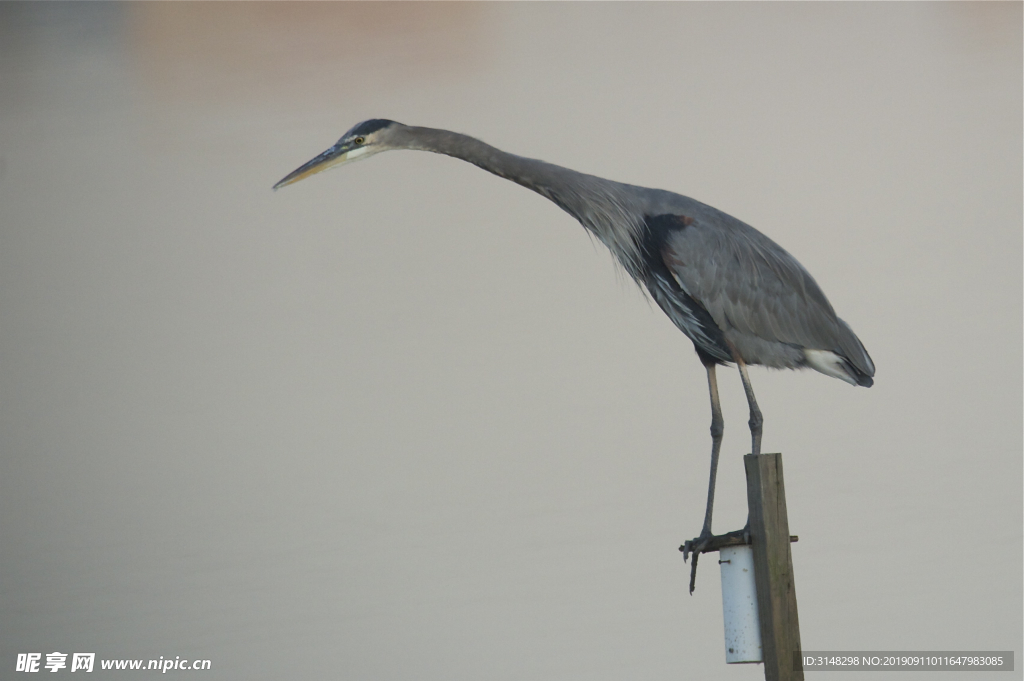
(773, 567)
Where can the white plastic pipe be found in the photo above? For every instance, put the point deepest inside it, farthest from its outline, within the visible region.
(739, 605)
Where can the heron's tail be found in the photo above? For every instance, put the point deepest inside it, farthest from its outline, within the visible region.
(858, 375)
(838, 366)
(856, 359)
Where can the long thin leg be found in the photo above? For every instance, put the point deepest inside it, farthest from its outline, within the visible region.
(717, 428)
(755, 413)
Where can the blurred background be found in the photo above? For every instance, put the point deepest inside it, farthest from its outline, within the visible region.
(406, 420)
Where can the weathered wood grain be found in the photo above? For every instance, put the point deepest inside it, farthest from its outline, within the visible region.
(773, 567)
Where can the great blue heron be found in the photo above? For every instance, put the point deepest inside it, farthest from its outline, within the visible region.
(733, 291)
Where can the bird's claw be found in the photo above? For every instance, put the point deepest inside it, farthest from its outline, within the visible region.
(695, 546)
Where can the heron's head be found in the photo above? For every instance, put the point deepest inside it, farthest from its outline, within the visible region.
(362, 141)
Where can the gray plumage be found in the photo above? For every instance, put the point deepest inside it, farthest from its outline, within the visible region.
(739, 296)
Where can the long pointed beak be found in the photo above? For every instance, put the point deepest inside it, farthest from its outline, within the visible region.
(334, 156)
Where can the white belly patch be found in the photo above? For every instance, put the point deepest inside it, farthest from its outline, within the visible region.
(828, 363)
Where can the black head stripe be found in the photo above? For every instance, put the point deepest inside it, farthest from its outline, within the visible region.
(370, 126)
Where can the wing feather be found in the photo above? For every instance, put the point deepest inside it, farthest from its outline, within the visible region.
(752, 287)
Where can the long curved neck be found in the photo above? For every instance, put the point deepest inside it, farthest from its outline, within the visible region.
(602, 206)
(537, 175)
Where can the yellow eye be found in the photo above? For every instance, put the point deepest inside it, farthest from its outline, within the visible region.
(359, 140)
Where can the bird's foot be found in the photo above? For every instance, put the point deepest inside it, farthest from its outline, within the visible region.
(696, 546)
